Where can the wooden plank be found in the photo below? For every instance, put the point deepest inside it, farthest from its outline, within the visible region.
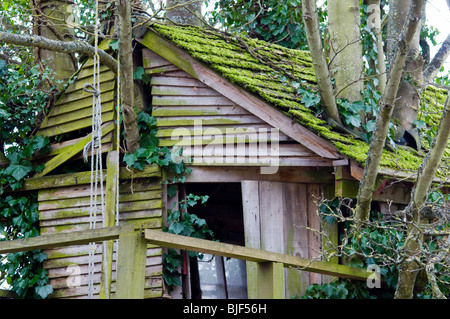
(248, 101)
(296, 241)
(161, 69)
(63, 239)
(111, 193)
(152, 60)
(85, 178)
(85, 201)
(131, 266)
(74, 125)
(149, 191)
(252, 232)
(262, 129)
(314, 224)
(176, 81)
(210, 120)
(250, 254)
(203, 174)
(191, 100)
(183, 91)
(80, 94)
(160, 111)
(70, 152)
(58, 148)
(82, 112)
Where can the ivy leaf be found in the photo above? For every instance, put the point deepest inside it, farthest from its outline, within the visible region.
(114, 45)
(44, 291)
(18, 171)
(130, 158)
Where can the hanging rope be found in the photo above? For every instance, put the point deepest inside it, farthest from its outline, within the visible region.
(95, 147)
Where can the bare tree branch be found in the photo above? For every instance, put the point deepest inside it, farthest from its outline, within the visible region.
(438, 61)
(59, 46)
(319, 61)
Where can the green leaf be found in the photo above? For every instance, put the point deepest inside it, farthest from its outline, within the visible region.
(138, 73)
(18, 171)
(44, 291)
(130, 158)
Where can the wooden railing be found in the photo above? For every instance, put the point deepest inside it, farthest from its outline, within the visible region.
(132, 254)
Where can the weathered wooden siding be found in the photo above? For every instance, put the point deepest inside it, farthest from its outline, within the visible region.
(73, 110)
(211, 128)
(276, 217)
(67, 209)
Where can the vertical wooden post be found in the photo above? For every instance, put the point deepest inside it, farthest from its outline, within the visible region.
(110, 210)
(250, 203)
(131, 266)
(270, 280)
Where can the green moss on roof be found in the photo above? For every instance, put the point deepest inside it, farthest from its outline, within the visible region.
(226, 56)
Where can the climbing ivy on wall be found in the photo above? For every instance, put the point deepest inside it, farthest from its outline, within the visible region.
(22, 99)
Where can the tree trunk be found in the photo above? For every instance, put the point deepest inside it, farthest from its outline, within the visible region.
(49, 21)
(126, 76)
(375, 26)
(427, 172)
(323, 76)
(184, 11)
(386, 107)
(346, 49)
(407, 105)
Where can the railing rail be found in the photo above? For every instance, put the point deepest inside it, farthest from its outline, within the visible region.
(132, 254)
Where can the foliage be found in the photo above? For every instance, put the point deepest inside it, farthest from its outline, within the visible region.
(379, 242)
(150, 153)
(19, 218)
(181, 222)
(22, 99)
(269, 20)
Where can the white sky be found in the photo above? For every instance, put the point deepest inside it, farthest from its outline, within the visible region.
(438, 15)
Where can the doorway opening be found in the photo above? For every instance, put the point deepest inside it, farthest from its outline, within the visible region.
(216, 277)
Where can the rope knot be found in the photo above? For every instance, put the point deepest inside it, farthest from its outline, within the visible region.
(90, 88)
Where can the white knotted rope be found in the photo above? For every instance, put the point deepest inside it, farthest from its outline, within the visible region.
(95, 147)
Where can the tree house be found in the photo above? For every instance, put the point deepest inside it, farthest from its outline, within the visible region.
(261, 156)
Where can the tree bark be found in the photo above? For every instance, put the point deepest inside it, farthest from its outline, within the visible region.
(49, 21)
(407, 105)
(386, 106)
(427, 172)
(59, 46)
(184, 11)
(438, 61)
(346, 48)
(126, 76)
(311, 22)
(375, 26)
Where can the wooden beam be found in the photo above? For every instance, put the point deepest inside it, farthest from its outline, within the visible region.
(270, 280)
(111, 189)
(63, 239)
(251, 103)
(249, 254)
(70, 152)
(131, 266)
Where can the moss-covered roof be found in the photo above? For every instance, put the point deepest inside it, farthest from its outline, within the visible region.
(229, 56)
